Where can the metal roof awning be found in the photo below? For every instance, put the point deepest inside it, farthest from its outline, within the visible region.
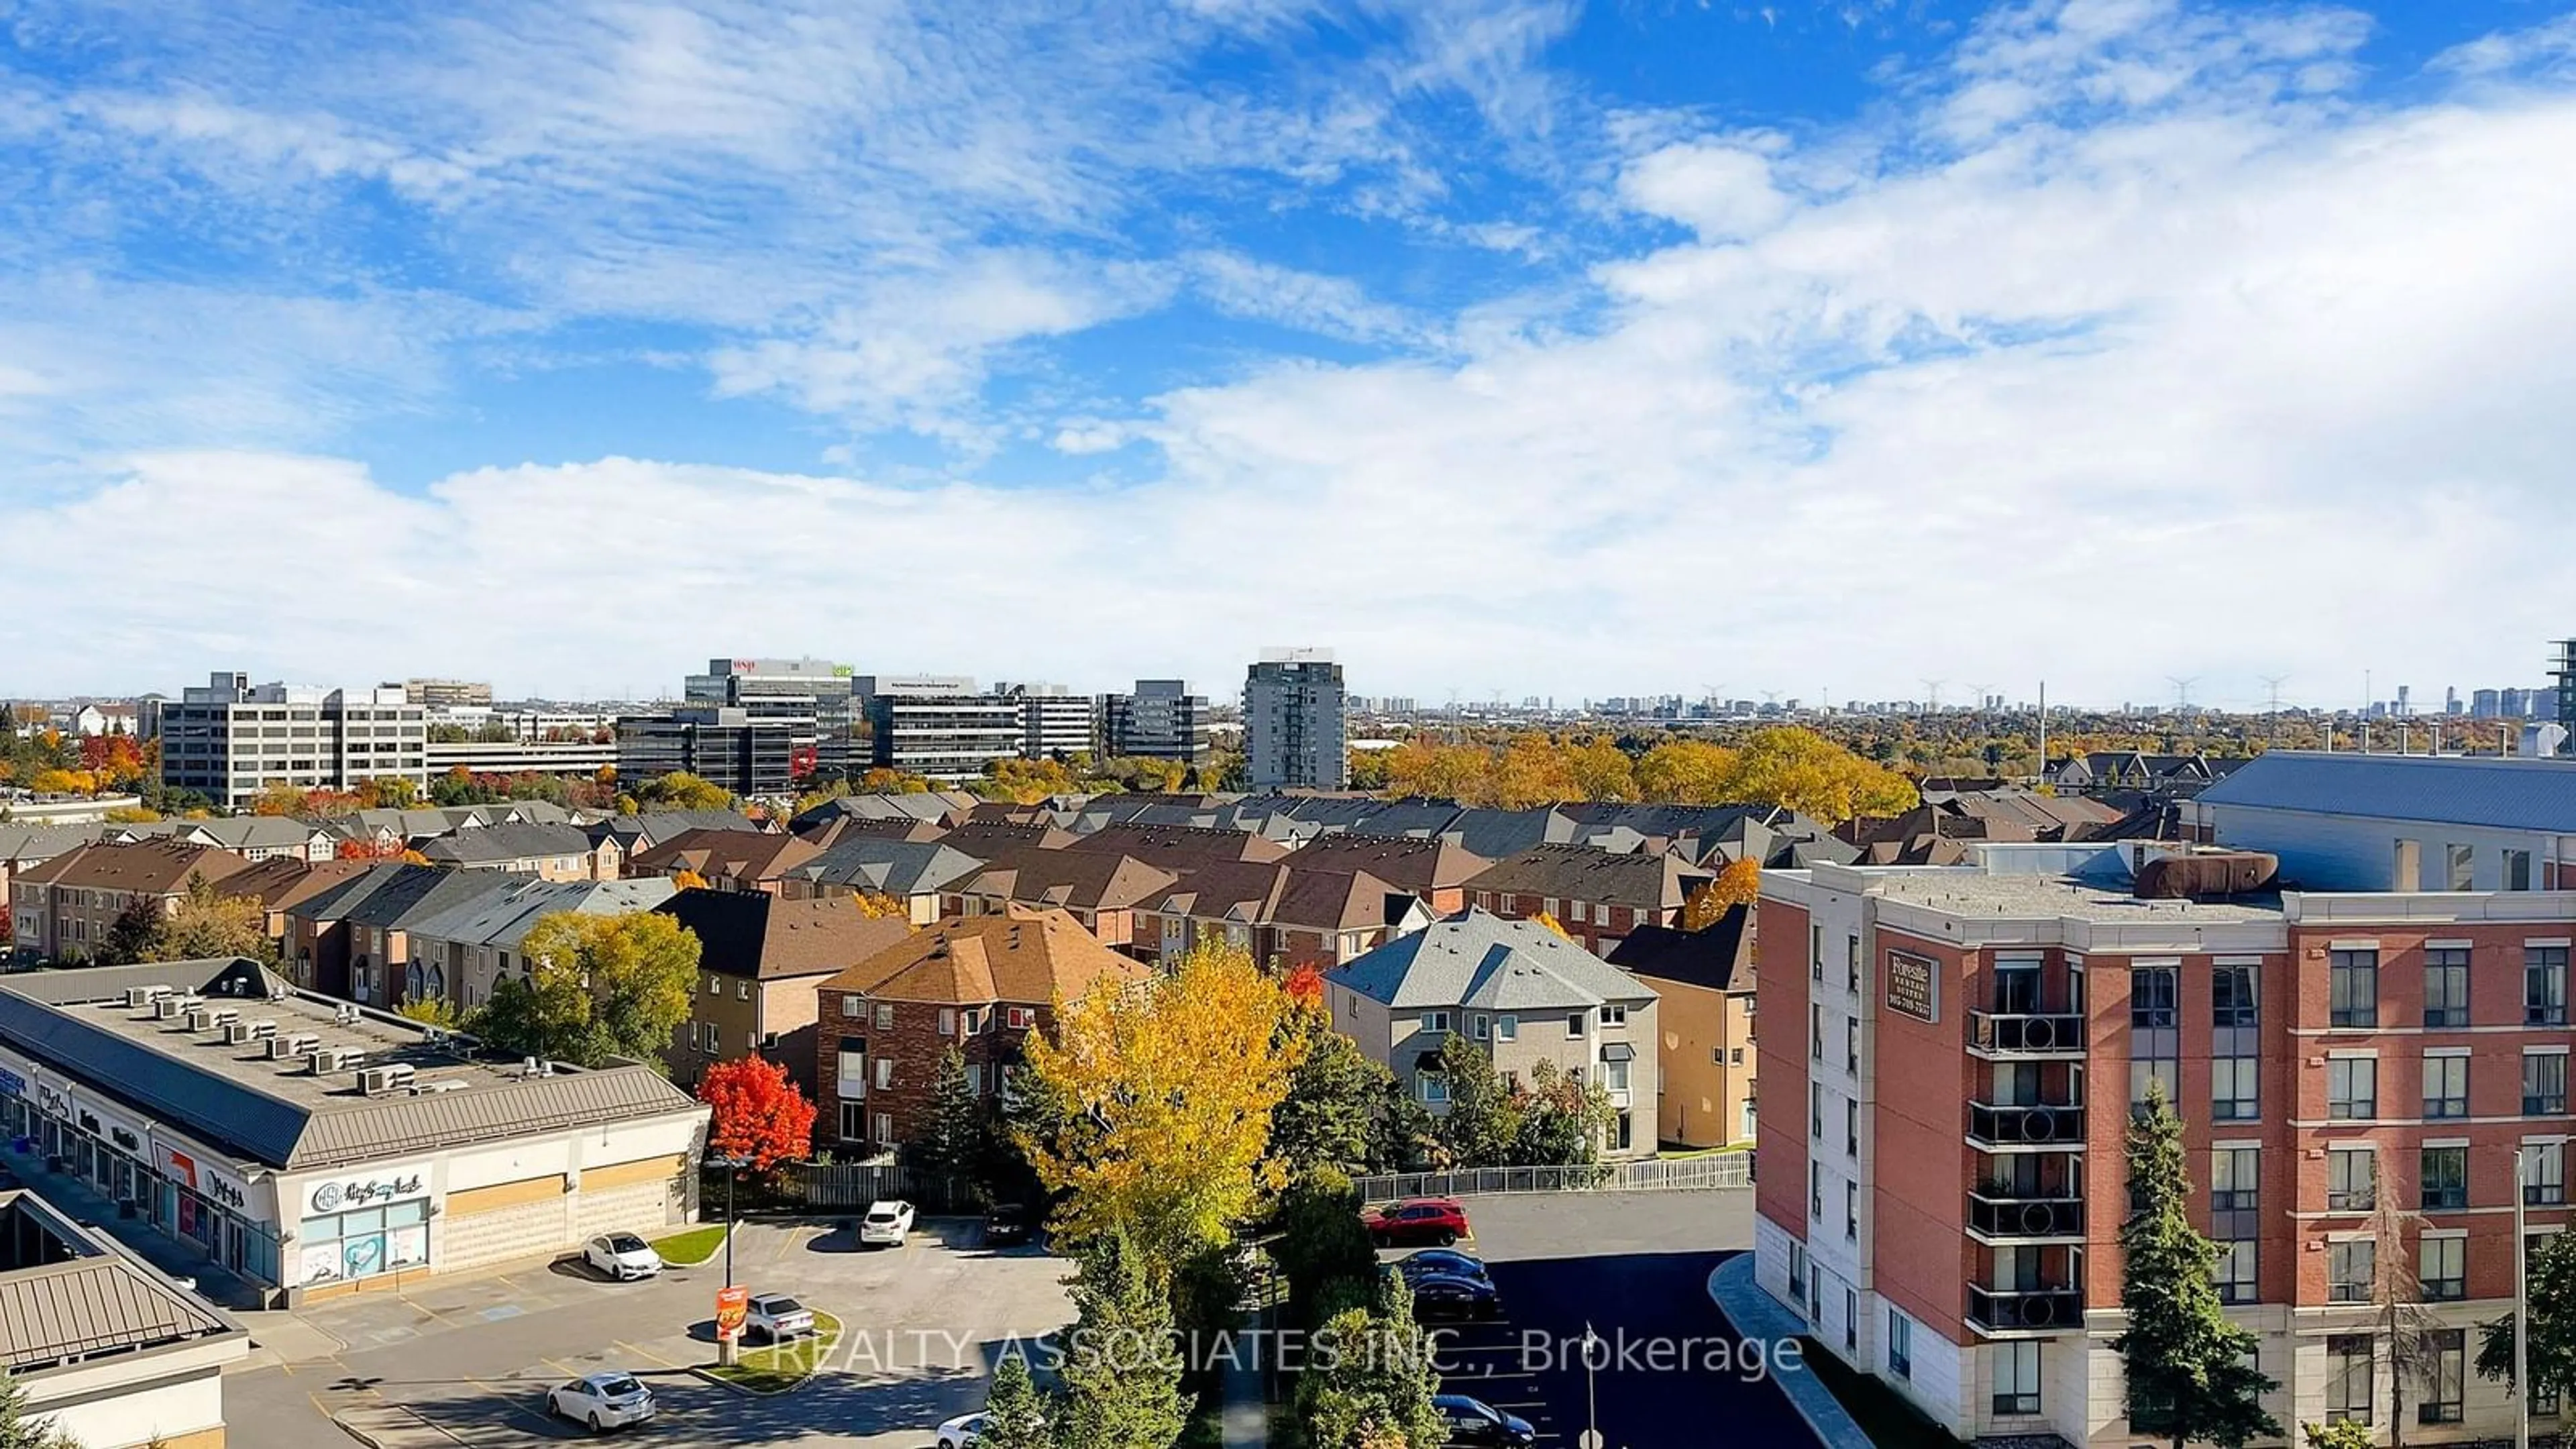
(1618, 1051)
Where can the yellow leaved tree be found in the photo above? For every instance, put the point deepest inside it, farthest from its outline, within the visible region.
(1812, 775)
(687, 880)
(1159, 1094)
(1687, 772)
(879, 906)
(1738, 884)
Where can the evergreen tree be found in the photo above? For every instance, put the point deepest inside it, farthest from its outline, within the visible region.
(1017, 1415)
(1563, 1122)
(1371, 1383)
(1482, 1123)
(951, 1149)
(17, 1430)
(1122, 1369)
(2187, 1373)
(1405, 1136)
(1330, 1116)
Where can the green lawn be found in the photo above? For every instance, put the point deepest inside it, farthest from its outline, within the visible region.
(1882, 1413)
(689, 1249)
(773, 1368)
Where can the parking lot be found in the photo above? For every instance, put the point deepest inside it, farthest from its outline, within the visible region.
(470, 1361)
(1631, 1269)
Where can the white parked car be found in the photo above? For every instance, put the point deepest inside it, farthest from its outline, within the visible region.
(961, 1431)
(622, 1256)
(603, 1401)
(773, 1317)
(886, 1223)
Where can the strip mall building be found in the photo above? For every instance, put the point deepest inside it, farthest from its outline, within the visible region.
(315, 1147)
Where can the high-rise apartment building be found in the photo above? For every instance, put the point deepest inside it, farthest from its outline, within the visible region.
(937, 725)
(815, 698)
(1292, 721)
(1950, 1066)
(231, 739)
(1055, 722)
(1160, 719)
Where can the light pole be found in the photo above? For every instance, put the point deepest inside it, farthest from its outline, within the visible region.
(2521, 1310)
(1591, 1405)
(729, 1345)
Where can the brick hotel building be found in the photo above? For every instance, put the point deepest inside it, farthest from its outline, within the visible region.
(1942, 1177)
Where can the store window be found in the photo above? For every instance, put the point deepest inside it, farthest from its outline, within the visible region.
(341, 1247)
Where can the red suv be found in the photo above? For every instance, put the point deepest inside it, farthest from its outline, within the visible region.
(1417, 1220)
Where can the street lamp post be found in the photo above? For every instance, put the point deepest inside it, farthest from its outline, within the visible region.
(1591, 1404)
(2521, 1309)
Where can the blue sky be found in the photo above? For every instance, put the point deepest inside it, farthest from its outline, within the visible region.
(1535, 347)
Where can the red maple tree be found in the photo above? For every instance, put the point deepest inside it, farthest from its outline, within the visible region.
(761, 1116)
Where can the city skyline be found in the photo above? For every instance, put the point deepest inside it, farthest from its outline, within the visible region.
(1505, 342)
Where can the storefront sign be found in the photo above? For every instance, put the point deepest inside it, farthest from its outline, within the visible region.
(205, 1179)
(342, 1194)
(1909, 987)
(12, 1084)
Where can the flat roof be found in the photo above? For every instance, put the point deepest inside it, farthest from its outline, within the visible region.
(276, 1111)
(1967, 891)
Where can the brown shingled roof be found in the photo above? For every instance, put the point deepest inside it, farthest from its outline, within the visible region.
(149, 867)
(1024, 956)
(1068, 878)
(1589, 873)
(1415, 864)
(752, 855)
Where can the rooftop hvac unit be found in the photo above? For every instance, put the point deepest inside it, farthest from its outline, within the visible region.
(376, 1081)
(237, 1033)
(301, 1043)
(201, 1020)
(282, 1049)
(225, 1015)
(323, 1062)
(166, 1008)
(138, 997)
(263, 1029)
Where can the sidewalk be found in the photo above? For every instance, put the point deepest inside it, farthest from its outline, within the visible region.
(1763, 1321)
(1246, 1418)
(181, 1260)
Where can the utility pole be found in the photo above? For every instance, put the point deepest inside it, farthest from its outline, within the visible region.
(2272, 725)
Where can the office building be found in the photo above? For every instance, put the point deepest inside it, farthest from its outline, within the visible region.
(316, 1148)
(1292, 720)
(448, 693)
(813, 696)
(728, 746)
(937, 726)
(1055, 722)
(1159, 719)
(230, 739)
(1951, 1057)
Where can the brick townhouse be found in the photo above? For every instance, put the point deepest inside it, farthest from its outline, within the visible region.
(760, 960)
(730, 860)
(1284, 915)
(63, 908)
(978, 983)
(1100, 890)
(1953, 1057)
(1436, 870)
(1597, 895)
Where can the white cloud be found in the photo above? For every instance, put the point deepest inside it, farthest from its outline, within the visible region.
(2127, 342)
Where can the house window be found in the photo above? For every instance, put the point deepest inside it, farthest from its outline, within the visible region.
(1900, 1344)
(2446, 1086)
(1851, 1212)
(948, 1021)
(2517, 870)
(2445, 1181)
(2445, 1385)
(2446, 986)
(715, 986)
(2544, 1084)
(742, 990)
(1614, 1016)
(1433, 1086)
(2016, 1377)
(1507, 1027)
(885, 1073)
(2235, 1275)
(854, 1007)
(2155, 1041)
(1851, 1129)
(2352, 1179)
(2461, 861)
(885, 1016)
(885, 1129)
(1816, 1033)
(2234, 1093)
(1851, 1319)
(1575, 1023)
(1851, 1046)
(1816, 952)
(1479, 1026)
(1815, 1112)
(854, 1121)
(2352, 988)
(2348, 1270)
(975, 1079)
(2348, 1384)
(1435, 1021)
(1615, 1076)
(1583, 911)
(1622, 1129)
(2352, 1088)
(1798, 1274)
(2544, 986)
(1021, 1018)
(2544, 1174)
(2441, 1267)
(1851, 963)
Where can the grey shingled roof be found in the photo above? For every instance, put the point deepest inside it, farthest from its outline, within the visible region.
(1479, 959)
(273, 1112)
(2500, 793)
(503, 919)
(509, 842)
(895, 867)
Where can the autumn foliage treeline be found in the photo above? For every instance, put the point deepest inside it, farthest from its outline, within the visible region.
(1785, 766)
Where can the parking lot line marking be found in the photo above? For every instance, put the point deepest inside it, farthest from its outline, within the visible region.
(641, 1351)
